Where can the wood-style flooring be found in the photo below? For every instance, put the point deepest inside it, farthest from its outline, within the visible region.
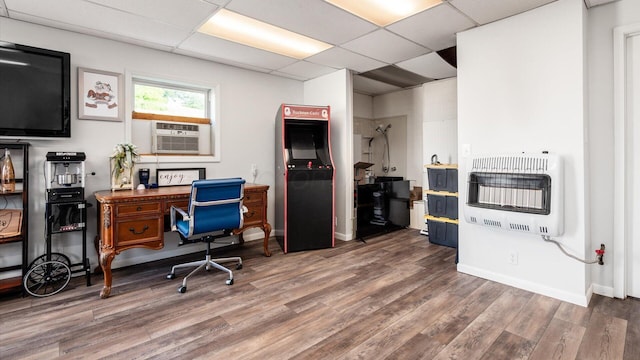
(395, 297)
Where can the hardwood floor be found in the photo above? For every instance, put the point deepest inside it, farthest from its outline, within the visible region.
(395, 297)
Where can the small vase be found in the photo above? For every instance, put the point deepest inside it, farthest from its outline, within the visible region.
(121, 177)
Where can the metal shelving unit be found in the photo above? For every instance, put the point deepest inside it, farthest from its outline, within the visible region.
(12, 203)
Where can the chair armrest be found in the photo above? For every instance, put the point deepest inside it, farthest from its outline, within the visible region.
(182, 213)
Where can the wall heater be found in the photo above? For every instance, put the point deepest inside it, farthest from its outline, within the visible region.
(521, 192)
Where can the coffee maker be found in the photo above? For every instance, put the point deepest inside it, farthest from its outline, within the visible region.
(143, 176)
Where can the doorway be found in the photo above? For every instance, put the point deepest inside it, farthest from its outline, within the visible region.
(626, 269)
(633, 115)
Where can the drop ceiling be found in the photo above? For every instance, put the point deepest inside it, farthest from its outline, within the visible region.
(406, 47)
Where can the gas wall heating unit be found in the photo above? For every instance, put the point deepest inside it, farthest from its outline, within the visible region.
(521, 192)
(174, 138)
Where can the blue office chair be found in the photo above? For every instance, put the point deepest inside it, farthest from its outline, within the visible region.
(215, 210)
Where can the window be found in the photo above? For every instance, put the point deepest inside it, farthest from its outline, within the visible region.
(167, 99)
(171, 118)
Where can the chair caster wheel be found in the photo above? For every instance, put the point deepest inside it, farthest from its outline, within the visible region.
(171, 276)
(239, 266)
(182, 289)
(230, 282)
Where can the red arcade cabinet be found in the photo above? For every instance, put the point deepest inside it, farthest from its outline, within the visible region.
(305, 176)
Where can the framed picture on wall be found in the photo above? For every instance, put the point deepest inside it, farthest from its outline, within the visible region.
(100, 95)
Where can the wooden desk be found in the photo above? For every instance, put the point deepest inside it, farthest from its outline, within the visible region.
(135, 218)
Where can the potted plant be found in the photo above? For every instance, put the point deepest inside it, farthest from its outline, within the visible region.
(122, 161)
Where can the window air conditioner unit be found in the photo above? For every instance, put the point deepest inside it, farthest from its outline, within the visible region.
(174, 138)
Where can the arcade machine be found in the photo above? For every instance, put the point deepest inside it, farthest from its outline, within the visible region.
(305, 176)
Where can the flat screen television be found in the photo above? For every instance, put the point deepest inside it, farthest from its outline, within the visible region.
(34, 92)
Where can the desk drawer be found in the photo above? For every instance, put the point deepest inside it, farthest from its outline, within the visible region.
(127, 209)
(182, 204)
(252, 197)
(139, 231)
(255, 213)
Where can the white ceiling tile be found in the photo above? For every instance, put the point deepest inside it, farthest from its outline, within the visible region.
(74, 14)
(213, 47)
(486, 11)
(184, 13)
(434, 28)
(430, 65)
(368, 86)
(91, 31)
(385, 46)
(306, 70)
(313, 18)
(343, 59)
(221, 60)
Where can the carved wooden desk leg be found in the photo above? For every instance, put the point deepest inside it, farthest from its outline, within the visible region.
(96, 244)
(106, 257)
(267, 230)
(107, 250)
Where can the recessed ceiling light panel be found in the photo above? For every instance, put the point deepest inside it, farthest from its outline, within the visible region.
(238, 28)
(384, 12)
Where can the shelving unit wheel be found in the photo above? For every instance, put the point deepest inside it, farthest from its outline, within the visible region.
(47, 278)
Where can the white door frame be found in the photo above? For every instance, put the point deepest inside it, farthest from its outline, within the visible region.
(621, 223)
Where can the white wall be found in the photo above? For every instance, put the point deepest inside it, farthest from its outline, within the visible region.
(397, 138)
(602, 21)
(362, 106)
(248, 104)
(440, 122)
(336, 90)
(407, 103)
(363, 127)
(521, 89)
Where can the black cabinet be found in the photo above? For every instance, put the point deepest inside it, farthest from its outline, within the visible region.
(14, 221)
(382, 206)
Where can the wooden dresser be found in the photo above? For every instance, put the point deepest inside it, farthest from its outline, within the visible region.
(136, 218)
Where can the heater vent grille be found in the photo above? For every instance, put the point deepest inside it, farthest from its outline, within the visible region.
(519, 227)
(511, 164)
(492, 223)
(473, 219)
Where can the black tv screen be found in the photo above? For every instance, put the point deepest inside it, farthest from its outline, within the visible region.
(303, 146)
(34, 92)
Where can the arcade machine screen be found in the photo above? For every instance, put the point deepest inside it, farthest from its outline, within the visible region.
(303, 146)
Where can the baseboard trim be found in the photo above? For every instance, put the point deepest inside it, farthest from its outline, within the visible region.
(603, 290)
(578, 299)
